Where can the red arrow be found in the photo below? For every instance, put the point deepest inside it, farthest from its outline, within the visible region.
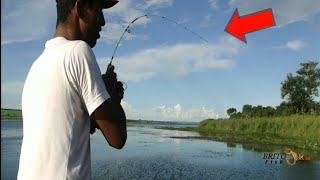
(239, 26)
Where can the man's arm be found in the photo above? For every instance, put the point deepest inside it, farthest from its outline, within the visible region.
(111, 119)
(110, 116)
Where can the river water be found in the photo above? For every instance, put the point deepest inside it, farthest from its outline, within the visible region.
(152, 153)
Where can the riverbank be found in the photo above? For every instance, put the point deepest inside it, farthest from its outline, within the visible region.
(11, 114)
(301, 131)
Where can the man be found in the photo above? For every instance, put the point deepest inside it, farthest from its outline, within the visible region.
(63, 92)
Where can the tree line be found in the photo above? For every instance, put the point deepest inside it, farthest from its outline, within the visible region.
(299, 93)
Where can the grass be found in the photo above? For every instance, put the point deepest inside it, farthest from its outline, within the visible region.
(302, 131)
(11, 114)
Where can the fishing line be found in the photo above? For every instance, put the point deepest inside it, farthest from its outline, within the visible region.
(147, 16)
(120, 83)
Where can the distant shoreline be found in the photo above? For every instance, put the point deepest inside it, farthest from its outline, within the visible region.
(11, 114)
(298, 130)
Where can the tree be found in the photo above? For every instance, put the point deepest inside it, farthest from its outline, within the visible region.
(269, 111)
(301, 89)
(257, 111)
(284, 109)
(246, 110)
(231, 111)
(317, 108)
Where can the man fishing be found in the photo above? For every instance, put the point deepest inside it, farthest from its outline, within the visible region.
(65, 96)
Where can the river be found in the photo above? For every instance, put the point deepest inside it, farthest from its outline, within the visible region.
(153, 153)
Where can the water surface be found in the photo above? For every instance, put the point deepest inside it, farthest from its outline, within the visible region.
(152, 153)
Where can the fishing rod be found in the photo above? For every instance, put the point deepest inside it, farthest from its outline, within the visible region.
(120, 83)
(147, 16)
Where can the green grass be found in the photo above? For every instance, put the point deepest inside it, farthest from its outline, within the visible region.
(298, 130)
(11, 114)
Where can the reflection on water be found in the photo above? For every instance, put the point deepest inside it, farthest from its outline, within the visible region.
(152, 153)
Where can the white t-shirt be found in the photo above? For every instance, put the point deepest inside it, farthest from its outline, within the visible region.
(63, 88)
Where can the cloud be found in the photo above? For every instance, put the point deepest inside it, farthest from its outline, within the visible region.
(214, 3)
(295, 45)
(285, 11)
(11, 93)
(12, 87)
(170, 113)
(179, 114)
(124, 13)
(207, 21)
(26, 20)
(155, 3)
(172, 60)
(131, 113)
(31, 20)
(112, 33)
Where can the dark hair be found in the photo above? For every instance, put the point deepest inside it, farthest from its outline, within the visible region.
(64, 8)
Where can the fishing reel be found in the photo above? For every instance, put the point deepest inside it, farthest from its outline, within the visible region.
(114, 87)
(121, 89)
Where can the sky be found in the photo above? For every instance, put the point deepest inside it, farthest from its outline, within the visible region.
(171, 74)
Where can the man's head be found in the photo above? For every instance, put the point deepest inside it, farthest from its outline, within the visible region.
(89, 16)
(64, 7)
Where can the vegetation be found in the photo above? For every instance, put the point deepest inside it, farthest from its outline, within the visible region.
(11, 114)
(296, 130)
(302, 88)
(295, 121)
(298, 91)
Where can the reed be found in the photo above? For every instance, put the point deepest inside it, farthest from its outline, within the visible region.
(297, 130)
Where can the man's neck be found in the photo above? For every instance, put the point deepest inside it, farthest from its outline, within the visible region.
(69, 30)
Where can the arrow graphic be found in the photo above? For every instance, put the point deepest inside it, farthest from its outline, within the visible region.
(239, 26)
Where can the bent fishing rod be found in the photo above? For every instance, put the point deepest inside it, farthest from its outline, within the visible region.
(147, 16)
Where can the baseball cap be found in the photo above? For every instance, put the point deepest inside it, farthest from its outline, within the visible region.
(109, 3)
(106, 3)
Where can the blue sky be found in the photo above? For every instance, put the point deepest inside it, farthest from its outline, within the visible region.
(171, 74)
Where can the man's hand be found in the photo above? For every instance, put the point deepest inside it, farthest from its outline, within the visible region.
(113, 86)
(93, 126)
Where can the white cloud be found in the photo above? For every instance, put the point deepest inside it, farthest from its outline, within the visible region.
(285, 11)
(11, 93)
(170, 113)
(36, 19)
(178, 113)
(214, 3)
(131, 113)
(12, 87)
(156, 3)
(124, 13)
(207, 21)
(174, 60)
(26, 20)
(184, 20)
(112, 33)
(295, 45)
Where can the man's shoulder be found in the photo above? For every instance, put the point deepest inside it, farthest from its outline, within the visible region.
(81, 53)
(61, 42)
(80, 47)
(79, 44)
